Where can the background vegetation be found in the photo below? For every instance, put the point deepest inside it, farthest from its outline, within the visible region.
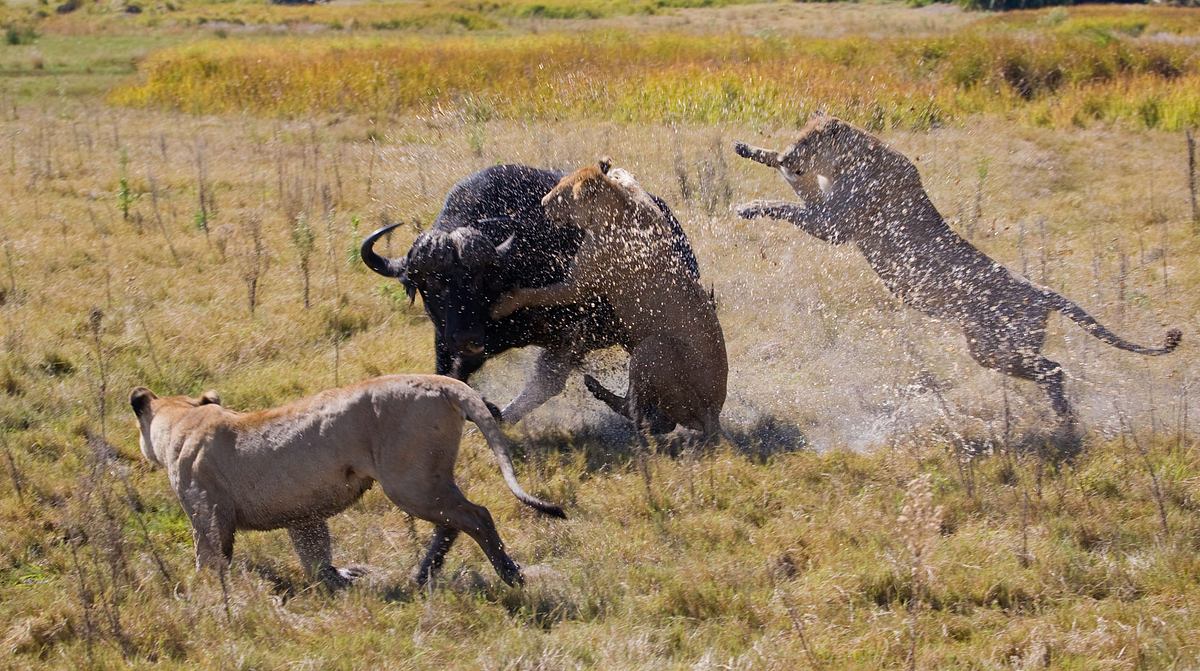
(1063, 78)
(885, 503)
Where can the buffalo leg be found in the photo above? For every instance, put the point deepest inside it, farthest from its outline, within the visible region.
(547, 380)
(443, 538)
(443, 358)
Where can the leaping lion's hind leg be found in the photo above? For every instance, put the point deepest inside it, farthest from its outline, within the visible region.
(1050, 377)
(1067, 437)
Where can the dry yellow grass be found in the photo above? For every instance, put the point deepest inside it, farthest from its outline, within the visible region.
(636, 77)
(737, 558)
(782, 552)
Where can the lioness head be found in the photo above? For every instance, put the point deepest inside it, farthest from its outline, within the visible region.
(595, 196)
(146, 406)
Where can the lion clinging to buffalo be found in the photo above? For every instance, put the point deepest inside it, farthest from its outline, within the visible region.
(858, 190)
(677, 363)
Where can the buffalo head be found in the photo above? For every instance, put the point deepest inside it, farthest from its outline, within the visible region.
(458, 275)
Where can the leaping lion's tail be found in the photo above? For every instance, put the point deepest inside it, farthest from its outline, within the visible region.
(1097, 330)
(476, 410)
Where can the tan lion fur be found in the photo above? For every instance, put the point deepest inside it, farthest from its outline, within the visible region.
(296, 465)
(678, 368)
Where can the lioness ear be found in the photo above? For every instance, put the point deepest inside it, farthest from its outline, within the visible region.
(139, 400)
(210, 397)
(605, 164)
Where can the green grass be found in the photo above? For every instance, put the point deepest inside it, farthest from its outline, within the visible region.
(56, 65)
(786, 552)
(403, 15)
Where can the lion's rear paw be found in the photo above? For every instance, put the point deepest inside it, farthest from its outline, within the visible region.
(340, 578)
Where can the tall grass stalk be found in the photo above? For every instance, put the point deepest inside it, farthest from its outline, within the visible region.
(13, 471)
(1151, 471)
(158, 219)
(918, 524)
(304, 241)
(95, 322)
(1191, 174)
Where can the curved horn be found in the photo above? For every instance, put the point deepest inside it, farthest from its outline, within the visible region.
(381, 264)
(505, 247)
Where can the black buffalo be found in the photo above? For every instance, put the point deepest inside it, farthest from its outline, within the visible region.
(490, 237)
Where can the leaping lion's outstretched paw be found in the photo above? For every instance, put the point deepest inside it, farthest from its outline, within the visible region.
(755, 209)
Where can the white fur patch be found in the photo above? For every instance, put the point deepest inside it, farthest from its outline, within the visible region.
(824, 184)
(625, 179)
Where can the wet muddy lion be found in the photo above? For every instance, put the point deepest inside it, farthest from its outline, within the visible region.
(858, 190)
(677, 364)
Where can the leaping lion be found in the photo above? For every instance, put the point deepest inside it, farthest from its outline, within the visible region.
(858, 190)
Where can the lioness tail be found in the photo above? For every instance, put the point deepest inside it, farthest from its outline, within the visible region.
(1097, 330)
(476, 410)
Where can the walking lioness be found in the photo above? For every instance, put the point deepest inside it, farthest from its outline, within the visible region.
(857, 189)
(294, 466)
(677, 363)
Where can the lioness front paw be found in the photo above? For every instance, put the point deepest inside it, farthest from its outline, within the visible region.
(505, 305)
(756, 209)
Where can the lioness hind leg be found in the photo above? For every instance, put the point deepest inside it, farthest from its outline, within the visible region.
(447, 508)
(477, 522)
(443, 538)
(314, 546)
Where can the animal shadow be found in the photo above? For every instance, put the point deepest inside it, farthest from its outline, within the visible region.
(613, 443)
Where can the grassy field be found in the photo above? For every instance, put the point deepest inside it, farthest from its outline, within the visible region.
(342, 15)
(639, 78)
(884, 504)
